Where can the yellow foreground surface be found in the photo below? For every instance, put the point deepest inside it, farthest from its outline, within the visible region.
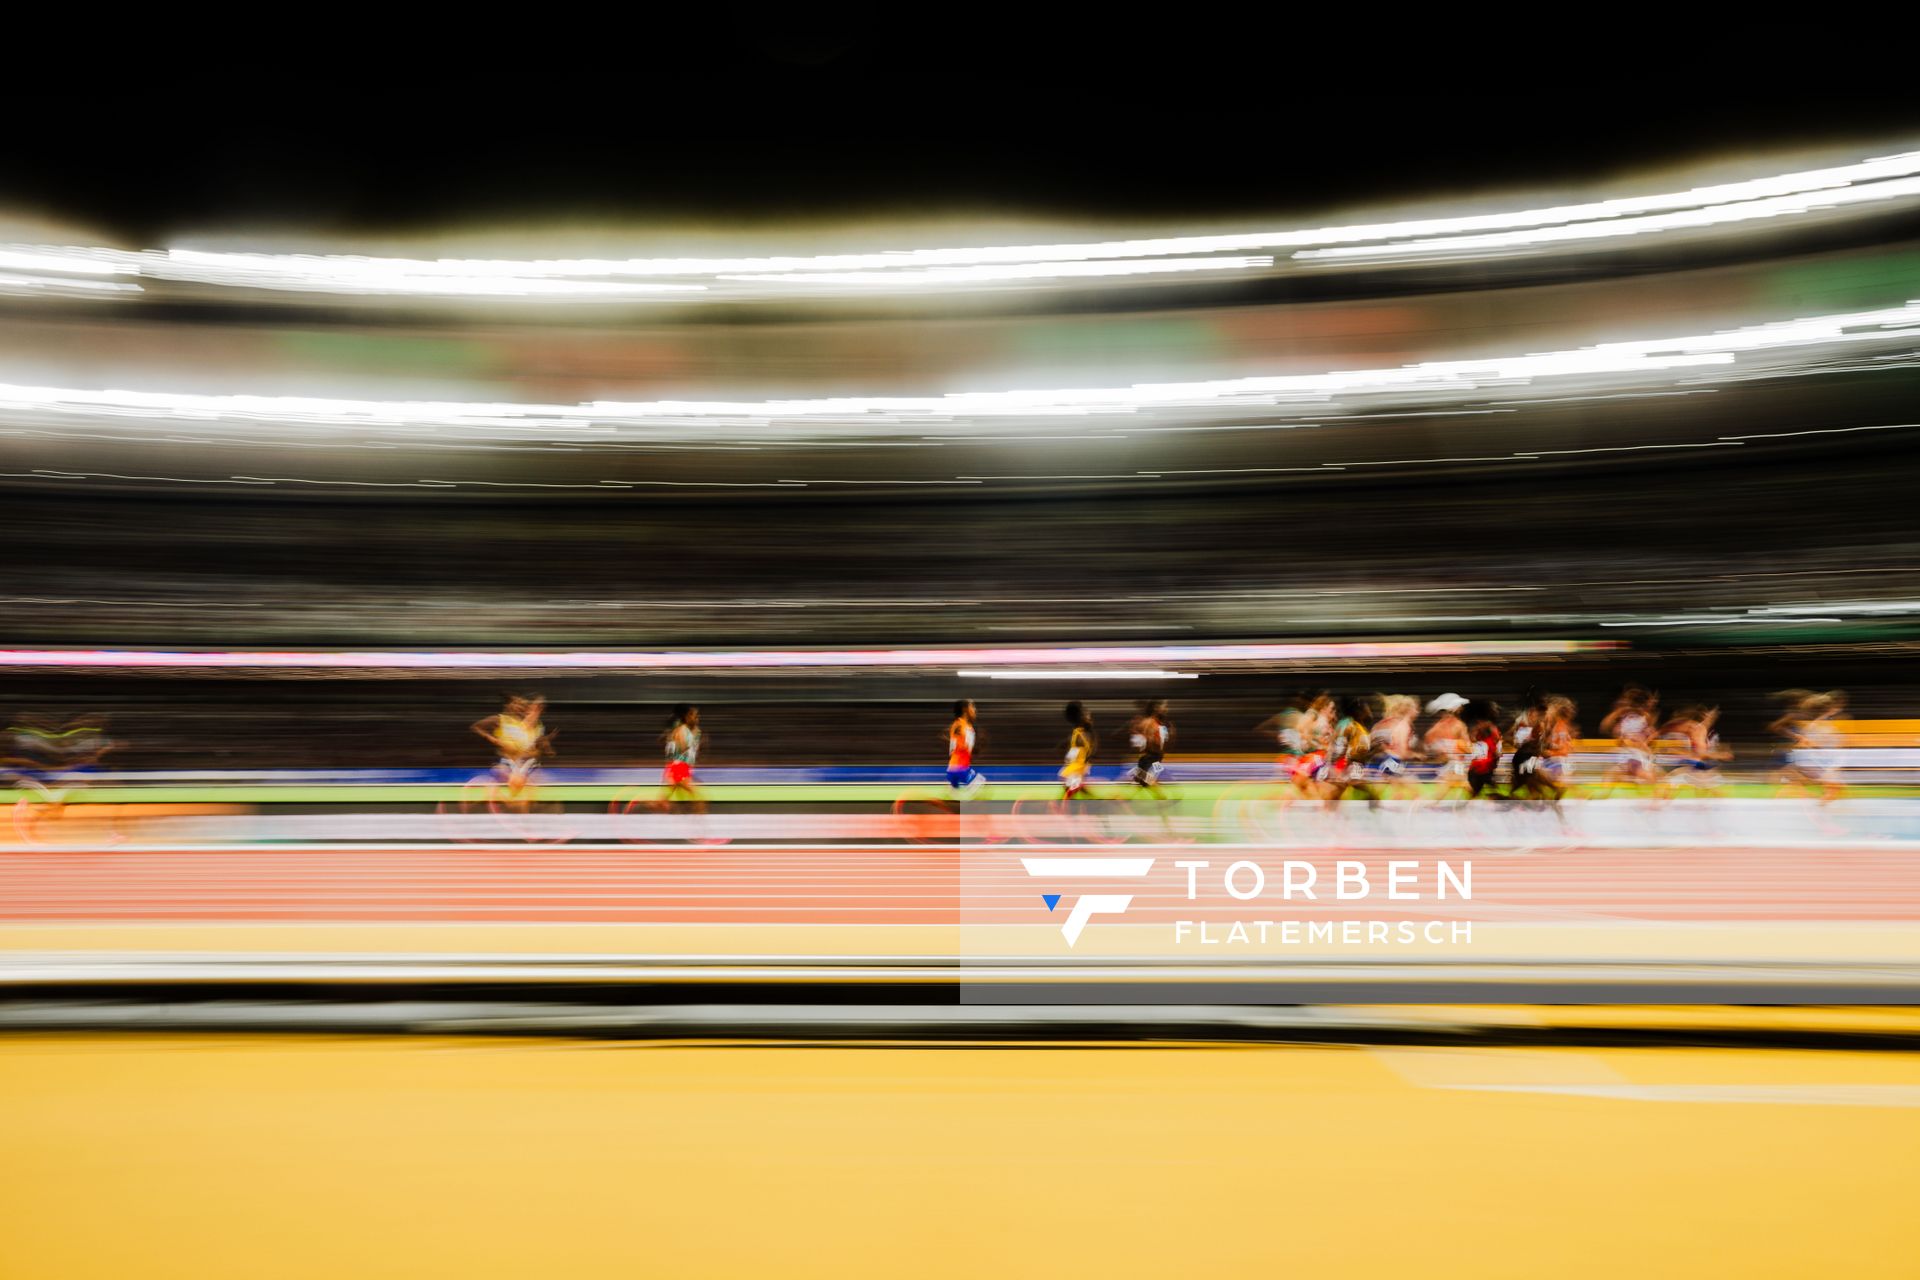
(215, 1156)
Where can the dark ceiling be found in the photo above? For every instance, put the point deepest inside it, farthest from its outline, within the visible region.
(811, 119)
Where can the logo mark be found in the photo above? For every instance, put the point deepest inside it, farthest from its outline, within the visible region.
(1088, 905)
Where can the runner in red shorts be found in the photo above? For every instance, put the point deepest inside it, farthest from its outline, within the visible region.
(1483, 758)
(682, 740)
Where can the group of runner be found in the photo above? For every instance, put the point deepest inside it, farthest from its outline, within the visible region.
(1149, 734)
(523, 740)
(1371, 747)
(1331, 747)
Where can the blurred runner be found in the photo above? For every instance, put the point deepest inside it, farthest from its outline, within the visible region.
(1810, 758)
(1700, 753)
(1149, 734)
(521, 739)
(1285, 727)
(1560, 734)
(47, 751)
(1483, 752)
(1351, 746)
(1316, 747)
(1785, 727)
(1631, 726)
(682, 742)
(45, 762)
(1080, 746)
(1527, 738)
(1542, 738)
(962, 777)
(1448, 744)
(1393, 748)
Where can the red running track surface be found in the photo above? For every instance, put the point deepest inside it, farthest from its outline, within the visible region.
(896, 885)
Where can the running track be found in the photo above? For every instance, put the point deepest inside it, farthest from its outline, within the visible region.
(868, 884)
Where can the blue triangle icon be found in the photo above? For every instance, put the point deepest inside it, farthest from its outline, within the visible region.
(1051, 899)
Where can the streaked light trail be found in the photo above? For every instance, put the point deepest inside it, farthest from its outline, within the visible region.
(1068, 661)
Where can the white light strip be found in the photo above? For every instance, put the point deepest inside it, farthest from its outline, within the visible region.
(1723, 621)
(1077, 673)
(350, 276)
(1845, 607)
(1687, 220)
(1075, 410)
(600, 660)
(1077, 867)
(102, 262)
(18, 282)
(1879, 180)
(917, 276)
